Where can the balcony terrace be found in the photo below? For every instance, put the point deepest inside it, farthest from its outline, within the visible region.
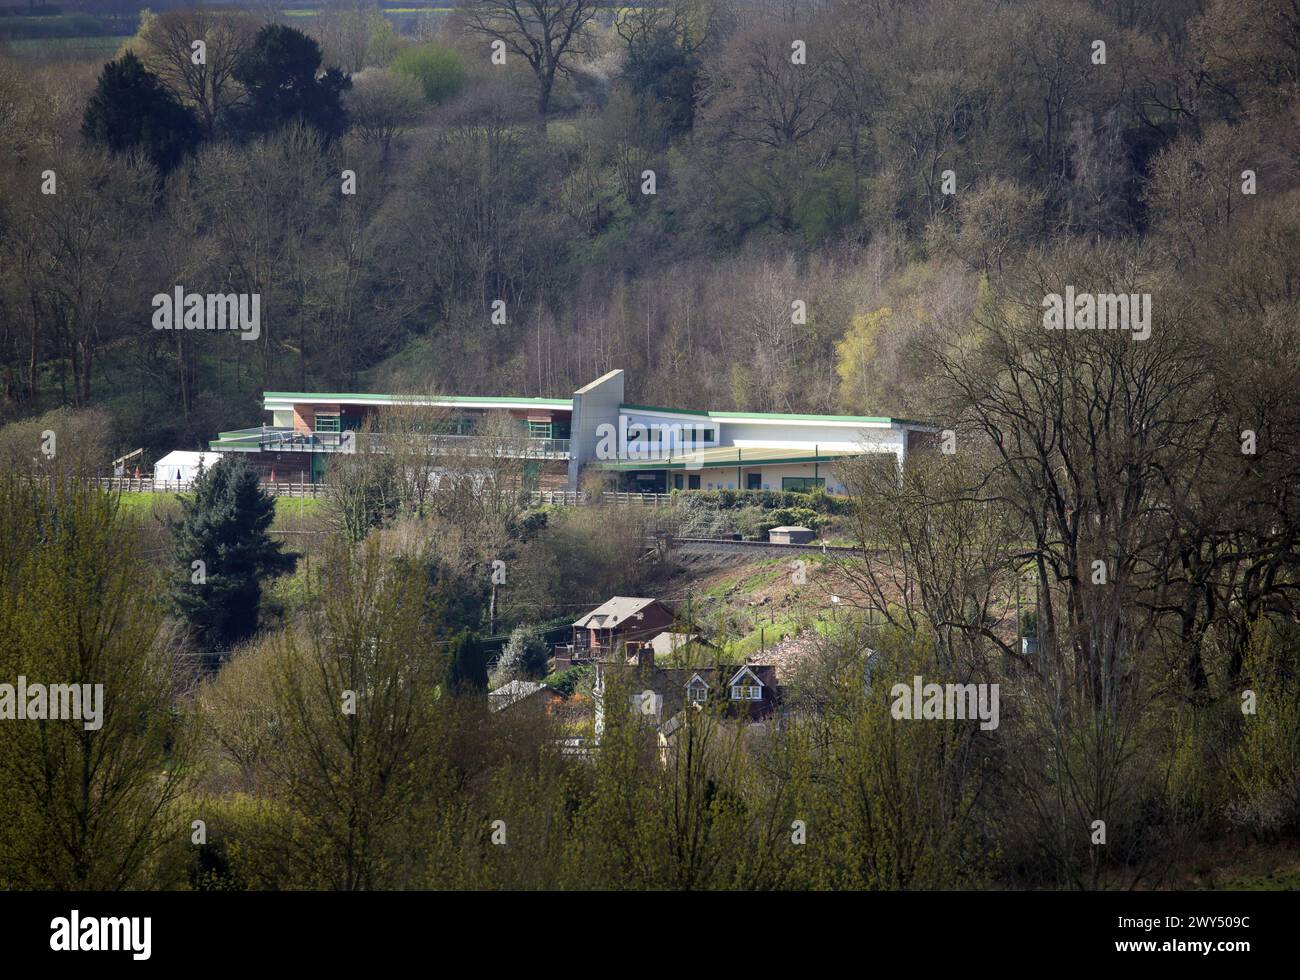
(286, 440)
(568, 654)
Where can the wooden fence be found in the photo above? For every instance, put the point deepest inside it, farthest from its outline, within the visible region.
(561, 498)
(283, 488)
(279, 488)
(645, 499)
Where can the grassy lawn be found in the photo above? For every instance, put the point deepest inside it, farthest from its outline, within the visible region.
(147, 505)
(754, 576)
(298, 508)
(165, 505)
(67, 48)
(762, 573)
(760, 638)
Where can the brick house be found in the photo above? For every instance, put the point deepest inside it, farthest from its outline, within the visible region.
(615, 630)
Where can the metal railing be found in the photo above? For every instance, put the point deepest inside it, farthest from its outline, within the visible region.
(272, 439)
(577, 498)
(578, 652)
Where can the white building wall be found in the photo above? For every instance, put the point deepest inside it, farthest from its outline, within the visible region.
(724, 478)
(810, 438)
(656, 432)
(828, 436)
(834, 438)
(594, 405)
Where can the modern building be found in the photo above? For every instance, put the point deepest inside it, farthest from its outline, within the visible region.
(640, 447)
(306, 429)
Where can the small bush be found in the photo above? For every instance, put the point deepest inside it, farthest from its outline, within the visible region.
(800, 517)
(524, 656)
(818, 501)
(753, 523)
(566, 681)
(439, 70)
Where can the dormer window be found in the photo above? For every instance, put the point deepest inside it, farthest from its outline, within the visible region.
(696, 690)
(746, 686)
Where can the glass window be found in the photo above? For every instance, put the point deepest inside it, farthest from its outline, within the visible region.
(328, 423)
(801, 483)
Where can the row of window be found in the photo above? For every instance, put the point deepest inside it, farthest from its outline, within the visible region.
(754, 481)
(687, 437)
(332, 422)
(739, 692)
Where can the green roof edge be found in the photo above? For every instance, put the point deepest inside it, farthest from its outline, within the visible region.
(344, 396)
(562, 402)
(766, 415)
(728, 463)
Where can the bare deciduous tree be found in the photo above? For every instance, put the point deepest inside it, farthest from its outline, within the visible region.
(382, 105)
(550, 35)
(207, 83)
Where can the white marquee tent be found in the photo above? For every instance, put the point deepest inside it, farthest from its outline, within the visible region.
(181, 466)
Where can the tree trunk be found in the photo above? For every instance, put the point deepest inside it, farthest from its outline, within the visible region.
(546, 81)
